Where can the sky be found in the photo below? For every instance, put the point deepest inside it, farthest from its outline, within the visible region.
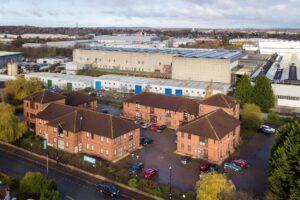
(152, 13)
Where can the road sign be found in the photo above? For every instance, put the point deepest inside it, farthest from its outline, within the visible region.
(89, 159)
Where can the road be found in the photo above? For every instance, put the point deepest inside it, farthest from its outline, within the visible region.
(71, 186)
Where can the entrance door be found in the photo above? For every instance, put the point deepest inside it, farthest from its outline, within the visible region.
(49, 83)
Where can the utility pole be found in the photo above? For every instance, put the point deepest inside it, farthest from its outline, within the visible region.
(170, 183)
(47, 161)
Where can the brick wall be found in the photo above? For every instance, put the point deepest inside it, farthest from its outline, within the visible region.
(235, 111)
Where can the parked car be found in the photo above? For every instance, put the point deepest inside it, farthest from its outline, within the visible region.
(137, 121)
(136, 168)
(185, 160)
(103, 110)
(108, 189)
(240, 162)
(161, 128)
(145, 125)
(154, 127)
(149, 173)
(213, 168)
(233, 166)
(204, 166)
(266, 129)
(145, 141)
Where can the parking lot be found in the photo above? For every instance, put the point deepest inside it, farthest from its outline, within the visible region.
(161, 155)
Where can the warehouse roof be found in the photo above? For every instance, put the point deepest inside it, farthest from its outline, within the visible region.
(165, 82)
(75, 120)
(9, 53)
(173, 103)
(45, 96)
(220, 100)
(189, 53)
(214, 125)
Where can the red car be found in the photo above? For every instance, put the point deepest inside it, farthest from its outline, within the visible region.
(240, 162)
(204, 166)
(154, 127)
(149, 173)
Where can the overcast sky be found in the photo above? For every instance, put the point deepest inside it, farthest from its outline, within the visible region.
(153, 13)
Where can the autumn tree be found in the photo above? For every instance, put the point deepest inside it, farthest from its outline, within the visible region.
(251, 116)
(20, 88)
(212, 186)
(11, 128)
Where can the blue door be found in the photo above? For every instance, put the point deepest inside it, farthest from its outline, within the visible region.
(98, 85)
(138, 89)
(168, 91)
(178, 92)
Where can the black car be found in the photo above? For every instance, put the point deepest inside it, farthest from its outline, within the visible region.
(185, 160)
(103, 110)
(161, 128)
(145, 141)
(108, 189)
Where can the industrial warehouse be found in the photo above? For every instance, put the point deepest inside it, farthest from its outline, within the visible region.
(180, 64)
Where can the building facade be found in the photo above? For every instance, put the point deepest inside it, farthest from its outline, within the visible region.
(6, 57)
(172, 111)
(77, 130)
(212, 136)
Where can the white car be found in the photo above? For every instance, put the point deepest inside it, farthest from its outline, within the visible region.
(146, 125)
(266, 129)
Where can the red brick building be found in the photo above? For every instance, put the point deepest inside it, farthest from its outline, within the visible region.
(212, 136)
(227, 103)
(77, 130)
(172, 111)
(36, 102)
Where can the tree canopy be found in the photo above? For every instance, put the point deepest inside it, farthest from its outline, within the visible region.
(284, 170)
(212, 186)
(244, 90)
(264, 96)
(251, 116)
(20, 88)
(35, 185)
(11, 128)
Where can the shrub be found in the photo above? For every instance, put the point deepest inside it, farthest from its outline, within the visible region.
(133, 182)
(251, 116)
(273, 116)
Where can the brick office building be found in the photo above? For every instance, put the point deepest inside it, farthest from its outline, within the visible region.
(172, 111)
(227, 103)
(212, 136)
(77, 130)
(36, 102)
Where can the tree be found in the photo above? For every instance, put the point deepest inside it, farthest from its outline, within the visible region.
(212, 186)
(244, 90)
(284, 170)
(11, 128)
(20, 88)
(251, 116)
(37, 186)
(264, 96)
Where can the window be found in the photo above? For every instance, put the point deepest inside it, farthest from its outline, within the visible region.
(124, 136)
(189, 136)
(54, 129)
(87, 146)
(115, 152)
(182, 134)
(182, 146)
(203, 141)
(102, 139)
(101, 151)
(40, 121)
(36, 107)
(27, 104)
(87, 134)
(189, 148)
(67, 144)
(106, 152)
(107, 140)
(92, 147)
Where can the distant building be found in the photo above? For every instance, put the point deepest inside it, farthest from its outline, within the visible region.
(6, 57)
(109, 39)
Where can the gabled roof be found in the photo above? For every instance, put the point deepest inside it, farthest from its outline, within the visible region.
(173, 103)
(77, 98)
(214, 125)
(219, 100)
(76, 119)
(45, 96)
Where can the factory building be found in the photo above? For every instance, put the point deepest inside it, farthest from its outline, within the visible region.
(6, 57)
(64, 81)
(182, 64)
(111, 39)
(137, 85)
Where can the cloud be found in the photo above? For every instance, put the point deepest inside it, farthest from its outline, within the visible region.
(156, 13)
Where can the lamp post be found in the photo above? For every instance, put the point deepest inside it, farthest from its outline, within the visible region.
(170, 183)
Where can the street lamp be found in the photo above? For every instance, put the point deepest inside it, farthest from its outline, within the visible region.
(170, 183)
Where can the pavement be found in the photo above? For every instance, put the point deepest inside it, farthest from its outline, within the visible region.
(71, 185)
(111, 109)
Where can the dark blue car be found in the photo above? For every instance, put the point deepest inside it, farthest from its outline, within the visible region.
(108, 189)
(136, 167)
